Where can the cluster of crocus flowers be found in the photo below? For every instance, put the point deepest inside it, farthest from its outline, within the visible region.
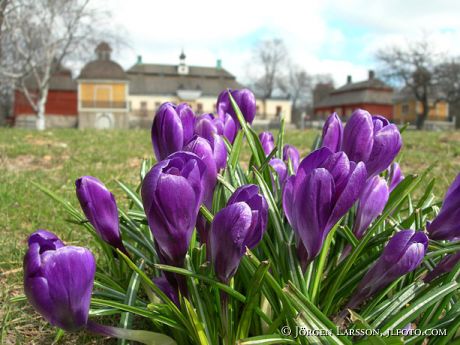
(365, 138)
(346, 173)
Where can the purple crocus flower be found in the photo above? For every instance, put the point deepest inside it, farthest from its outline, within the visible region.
(290, 153)
(239, 225)
(280, 168)
(325, 187)
(444, 266)
(371, 204)
(202, 148)
(172, 128)
(205, 127)
(58, 280)
(172, 193)
(267, 141)
(165, 286)
(403, 254)
(395, 175)
(100, 207)
(369, 139)
(222, 125)
(245, 100)
(446, 226)
(333, 133)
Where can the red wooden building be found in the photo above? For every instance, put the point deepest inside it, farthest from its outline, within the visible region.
(61, 108)
(372, 95)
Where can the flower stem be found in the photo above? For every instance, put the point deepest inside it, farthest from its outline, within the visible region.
(144, 337)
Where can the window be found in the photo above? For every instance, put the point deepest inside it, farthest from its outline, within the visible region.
(405, 109)
(143, 110)
(278, 111)
(199, 108)
(257, 109)
(157, 105)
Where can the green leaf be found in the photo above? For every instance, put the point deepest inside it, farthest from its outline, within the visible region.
(126, 320)
(252, 298)
(421, 304)
(266, 340)
(131, 195)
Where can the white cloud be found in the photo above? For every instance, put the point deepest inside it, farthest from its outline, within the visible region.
(336, 37)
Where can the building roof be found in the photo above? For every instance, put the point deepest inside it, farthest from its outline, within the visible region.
(103, 68)
(406, 94)
(61, 80)
(147, 79)
(370, 91)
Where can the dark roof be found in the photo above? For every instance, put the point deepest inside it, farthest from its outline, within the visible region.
(406, 94)
(146, 79)
(103, 69)
(373, 83)
(61, 80)
(371, 91)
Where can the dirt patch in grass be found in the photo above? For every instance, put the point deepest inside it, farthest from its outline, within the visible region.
(28, 163)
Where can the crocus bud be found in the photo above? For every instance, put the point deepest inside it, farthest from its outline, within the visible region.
(358, 136)
(239, 225)
(280, 168)
(202, 148)
(290, 153)
(100, 207)
(325, 187)
(165, 286)
(245, 100)
(172, 193)
(205, 127)
(446, 226)
(172, 128)
(444, 266)
(267, 141)
(58, 280)
(332, 133)
(395, 176)
(371, 204)
(371, 140)
(403, 254)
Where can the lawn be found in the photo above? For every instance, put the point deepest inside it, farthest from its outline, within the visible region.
(56, 158)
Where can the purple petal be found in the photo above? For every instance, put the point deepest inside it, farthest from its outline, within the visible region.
(228, 232)
(332, 133)
(358, 136)
(387, 144)
(167, 131)
(371, 203)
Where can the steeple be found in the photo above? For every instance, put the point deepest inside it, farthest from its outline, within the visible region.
(182, 68)
(103, 51)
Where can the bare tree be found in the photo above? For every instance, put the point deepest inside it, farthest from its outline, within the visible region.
(413, 68)
(298, 85)
(270, 62)
(39, 35)
(447, 76)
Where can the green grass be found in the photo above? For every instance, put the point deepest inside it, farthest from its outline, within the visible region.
(56, 158)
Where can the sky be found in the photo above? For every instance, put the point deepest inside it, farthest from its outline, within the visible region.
(333, 37)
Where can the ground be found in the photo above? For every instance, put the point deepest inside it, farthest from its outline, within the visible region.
(56, 158)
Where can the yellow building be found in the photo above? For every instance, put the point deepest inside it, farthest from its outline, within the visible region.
(406, 108)
(103, 89)
(153, 84)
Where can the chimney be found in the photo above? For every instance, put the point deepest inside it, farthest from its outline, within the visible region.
(218, 63)
(348, 79)
(371, 74)
(139, 59)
